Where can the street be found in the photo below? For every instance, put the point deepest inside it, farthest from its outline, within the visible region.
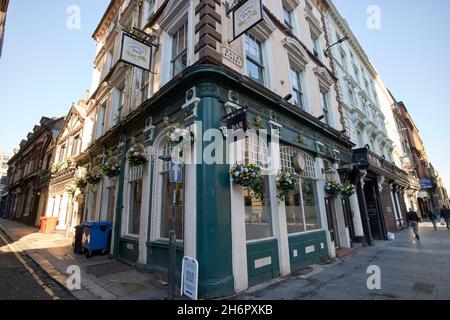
(410, 269)
(22, 279)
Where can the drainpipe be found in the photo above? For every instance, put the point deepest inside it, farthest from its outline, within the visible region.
(363, 207)
(119, 203)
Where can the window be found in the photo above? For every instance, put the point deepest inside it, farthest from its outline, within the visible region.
(356, 71)
(121, 103)
(258, 220)
(296, 80)
(351, 95)
(287, 15)
(325, 108)
(316, 45)
(75, 144)
(135, 192)
(360, 139)
(166, 199)
(62, 152)
(145, 82)
(179, 50)
(344, 60)
(302, 212)
(101, 120)
(254, 55)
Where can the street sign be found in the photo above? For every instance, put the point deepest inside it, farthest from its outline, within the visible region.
(426, 184)
(176, 172)
(189, 278)
(135, 52)
(246, 15)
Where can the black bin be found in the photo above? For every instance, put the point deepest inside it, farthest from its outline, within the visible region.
(78, 244)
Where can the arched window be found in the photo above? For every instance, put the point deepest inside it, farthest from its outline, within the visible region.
(165, 190)
(302, 213)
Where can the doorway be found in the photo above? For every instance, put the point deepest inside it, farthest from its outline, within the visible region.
(374, 210)
(332, 222)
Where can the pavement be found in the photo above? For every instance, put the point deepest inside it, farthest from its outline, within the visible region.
(47, 271)
(35, 266)
(408, 269)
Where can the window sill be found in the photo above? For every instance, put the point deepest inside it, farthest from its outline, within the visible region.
(260, 240)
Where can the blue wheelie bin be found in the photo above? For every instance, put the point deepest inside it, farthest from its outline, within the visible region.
(96, 236)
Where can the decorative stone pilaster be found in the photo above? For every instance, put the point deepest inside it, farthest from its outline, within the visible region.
(208, 29)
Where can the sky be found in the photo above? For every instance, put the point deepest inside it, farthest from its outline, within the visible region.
(46, 66)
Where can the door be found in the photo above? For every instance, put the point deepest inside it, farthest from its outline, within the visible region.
(348, 217)
(374, 211)
(332, 223)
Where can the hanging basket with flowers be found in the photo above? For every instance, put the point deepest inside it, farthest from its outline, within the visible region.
(137, 155)
(177, 135)
(80, 183)
(286, 183)
(333, 188)
(248, 176)
(94, 176)
(348, 189)
(112, 167)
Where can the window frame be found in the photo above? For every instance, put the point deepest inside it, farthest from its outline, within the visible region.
(298, 92)
(324, 103)
(179, 54)
(250, 58)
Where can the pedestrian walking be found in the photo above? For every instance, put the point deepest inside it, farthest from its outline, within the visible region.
(413, 221)
(433, 217)
(445, 214)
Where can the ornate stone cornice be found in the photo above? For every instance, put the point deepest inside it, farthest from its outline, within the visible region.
(324, 76)
(296, 51)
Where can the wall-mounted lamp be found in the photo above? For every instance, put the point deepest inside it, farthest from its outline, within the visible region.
(327, 50)
(288, 97)
(320, 117)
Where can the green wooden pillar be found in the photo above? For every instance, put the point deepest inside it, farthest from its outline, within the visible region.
(214, 251)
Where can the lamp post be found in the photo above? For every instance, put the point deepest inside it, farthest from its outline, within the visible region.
(172, 236)
(327, 50)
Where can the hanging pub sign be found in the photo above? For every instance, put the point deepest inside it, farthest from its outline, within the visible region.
(406, 163)
(237, 123)
(135, 52)
(246, 15)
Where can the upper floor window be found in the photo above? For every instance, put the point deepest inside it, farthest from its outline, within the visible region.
(145, 82)
(356, 71)
(101, 120)
(62, 152)
(75, 145)
(344, 60)
(254, 57)
(325, 107)
(352, 97)
(121, 105)
(179, 49)
(296, 80)
(287, 15)
(316, 44)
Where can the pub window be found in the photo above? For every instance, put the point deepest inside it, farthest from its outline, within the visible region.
(302, 213)
(166, 188)
(135, 199)
(258, 220)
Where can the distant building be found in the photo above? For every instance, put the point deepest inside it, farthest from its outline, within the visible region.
(3, 10)
(4, 158)
(29, 172)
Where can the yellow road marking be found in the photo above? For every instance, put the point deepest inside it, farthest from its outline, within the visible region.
(30, 270)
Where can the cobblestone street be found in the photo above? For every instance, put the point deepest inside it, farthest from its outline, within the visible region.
(410, 269)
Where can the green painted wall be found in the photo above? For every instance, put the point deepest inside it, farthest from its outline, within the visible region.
(158, 260)
(301, 242)
(262, 250)
(214, 253)
(129, 250)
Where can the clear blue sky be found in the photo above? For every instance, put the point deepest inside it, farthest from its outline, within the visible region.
(45, 66)
(411, 52)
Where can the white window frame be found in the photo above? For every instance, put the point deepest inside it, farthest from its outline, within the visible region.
(262, 64)
(286, 154)
(132, 174)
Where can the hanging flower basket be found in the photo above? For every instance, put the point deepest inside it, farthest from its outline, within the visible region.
(286, 183)
(137, 155)
(178, 135)
(333, 188)
(81, 184)
(71, 188)
(111, 168)
(55, 168)
(94, 177)
(248, 176)
(348, 189)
